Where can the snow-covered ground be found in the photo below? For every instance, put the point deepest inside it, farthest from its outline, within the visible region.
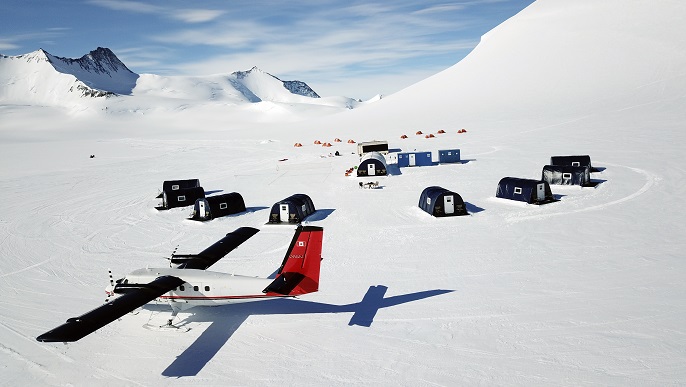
(587, 290)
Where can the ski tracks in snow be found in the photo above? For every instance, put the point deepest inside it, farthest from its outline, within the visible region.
(649, 180)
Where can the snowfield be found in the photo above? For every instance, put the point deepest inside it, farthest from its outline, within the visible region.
(588, 290)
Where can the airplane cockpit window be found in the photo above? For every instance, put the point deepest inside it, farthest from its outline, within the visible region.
(182, 288)
(195, 288)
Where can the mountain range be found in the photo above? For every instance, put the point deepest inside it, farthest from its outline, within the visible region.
(100, 80)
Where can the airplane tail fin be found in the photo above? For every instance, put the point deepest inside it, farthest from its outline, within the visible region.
(299, 272)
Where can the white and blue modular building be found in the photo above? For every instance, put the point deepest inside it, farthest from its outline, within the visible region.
(448, 156)
(423, 159)
(414, 159)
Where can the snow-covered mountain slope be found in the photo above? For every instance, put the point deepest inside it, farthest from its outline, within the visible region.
(100, 69)
(588, 290)
(553, 60)
(33, 79)
(266, 86)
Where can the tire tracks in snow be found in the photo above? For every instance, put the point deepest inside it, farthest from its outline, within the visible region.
(27, 268)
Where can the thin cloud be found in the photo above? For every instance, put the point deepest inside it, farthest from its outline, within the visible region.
(46, 36)
(190, 16)
(196, 15)
(440, 9)
(129, 6)
(7, 45)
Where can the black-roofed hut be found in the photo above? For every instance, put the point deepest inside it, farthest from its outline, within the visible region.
(212, 207)
(566, 175)
(524, 190)
(439, 202)
(372, 164)
(174, 185)
(181, 197)
(293, 209)
(573, 161)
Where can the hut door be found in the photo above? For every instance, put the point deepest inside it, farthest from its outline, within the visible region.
(540, 192)
(370, 169)
(201, 209)
(283, 212)
(448, 204)
(413, 160)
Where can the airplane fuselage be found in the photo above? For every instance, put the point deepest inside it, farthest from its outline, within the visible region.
(202, 287)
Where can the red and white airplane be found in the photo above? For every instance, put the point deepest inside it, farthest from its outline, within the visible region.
(187, 283)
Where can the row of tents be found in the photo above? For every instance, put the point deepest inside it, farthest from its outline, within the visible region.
(563, 170)
(184, 193)
(437, 201)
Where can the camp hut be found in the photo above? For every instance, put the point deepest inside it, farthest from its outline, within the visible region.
(293, 209)
(175, 185)
(449, 156)
(524, 190)
(217, 206)
(181, 197)
(412, 159)
(574, 161)
(439, 202)
(566, 175)
(372, 164)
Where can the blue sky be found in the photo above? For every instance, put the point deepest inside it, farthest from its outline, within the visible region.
(352, 48)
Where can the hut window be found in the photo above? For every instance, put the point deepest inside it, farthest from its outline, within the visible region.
(576, 164)
(182, 198)
(207, 288)
(175, 187)
(428, 201)
(566, 175)
(182, 288)
(518, 190)
(223, 206)
(195, 288)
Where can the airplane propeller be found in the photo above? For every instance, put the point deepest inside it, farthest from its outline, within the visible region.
(172, 254)
(109, 290)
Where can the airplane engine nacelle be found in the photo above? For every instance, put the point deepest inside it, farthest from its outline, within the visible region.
(177, 260)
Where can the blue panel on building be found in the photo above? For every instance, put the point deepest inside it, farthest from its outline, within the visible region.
(414, 159)
(449, 156)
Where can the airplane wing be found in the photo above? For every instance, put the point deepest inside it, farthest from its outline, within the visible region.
(78, 327)
(217, 251)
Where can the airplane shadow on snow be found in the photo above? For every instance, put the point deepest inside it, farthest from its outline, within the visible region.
(227, 319)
